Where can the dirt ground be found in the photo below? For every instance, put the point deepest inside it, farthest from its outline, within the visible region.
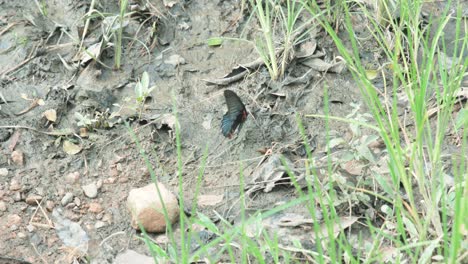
(40, 70)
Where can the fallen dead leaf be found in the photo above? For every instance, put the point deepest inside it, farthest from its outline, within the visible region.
(294, 220)
(209, 200)
(268, 175)
(340, 225)
(71, 148)
(51, 115)
(372, 74)
(353, 167)
(306, 49)
(175, 60)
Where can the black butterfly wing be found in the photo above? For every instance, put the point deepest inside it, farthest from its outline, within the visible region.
(235, 115)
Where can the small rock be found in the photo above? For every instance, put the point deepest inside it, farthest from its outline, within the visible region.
(114, 173)
(16, 196)
(95, 208)
(21, 235)
(13, 227)
(123, 179)
(99, 216)
(50, 206)
(31, 199)
(13, 219)
(90, 190)
(3, 207)
(71, 205)
(99, 224)
(130, 256)
(146, 208)
(15, 185)
(40, 191)
(107, 218)
(67, 198)
(30, 228)
(77, 201)
(110, 180)
(72, 177)
(99, 184)
(3, 172)
(71, 233)
(17, 157)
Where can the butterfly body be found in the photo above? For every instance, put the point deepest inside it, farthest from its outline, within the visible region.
(235, 116)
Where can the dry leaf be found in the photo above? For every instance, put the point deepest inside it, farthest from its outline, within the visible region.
(306, 49)
(92, 52)
(353, 167)
(295, 220)
(84, 132)
(169, 4)
(209, 200)
(322, 66)
(372, 74)
(175, 60)
(268, 175)
(342, 224)
(51, 115)
(71, 148)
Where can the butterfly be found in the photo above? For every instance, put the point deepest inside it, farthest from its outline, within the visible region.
(235, 116)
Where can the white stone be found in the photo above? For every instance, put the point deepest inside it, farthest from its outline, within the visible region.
(67, 198)
(3, 172)
(90, 190)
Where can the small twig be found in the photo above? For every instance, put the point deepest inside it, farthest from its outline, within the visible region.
(110, 236)
(45, 215)
(66, 132)
(49, 222)
(37, 252)
(34, 104)
(9, 26)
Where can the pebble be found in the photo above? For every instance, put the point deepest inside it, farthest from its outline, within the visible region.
(99, 224)
(110, 180)
(99, 184)
(72, 177)
(50, 206)
(130, 256)
(21, 235)
(15, 185)
(95, 208)
(16, 196)
(31, 199)
(77, 201)
(90, 190)
(107, 218)
(67, 198)
(3, 207)
(13, 219)
(30, 228)
(17, 157)
(123, 179)
(3, 172)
